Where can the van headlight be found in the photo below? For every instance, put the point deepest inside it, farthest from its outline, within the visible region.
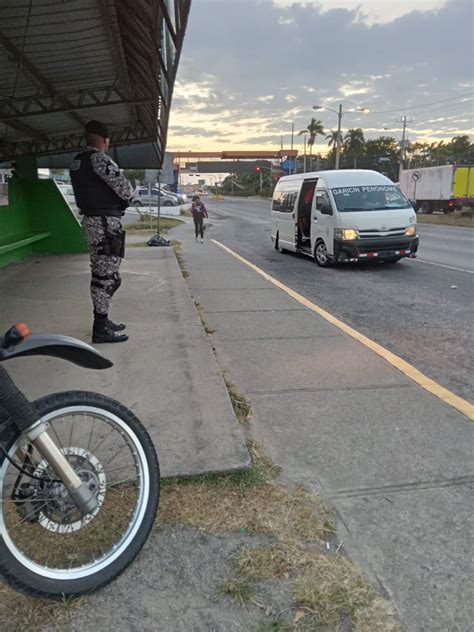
(346, 234)
(411, 231)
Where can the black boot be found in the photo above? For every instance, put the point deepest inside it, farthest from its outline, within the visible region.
(115, 326)
(103, 333)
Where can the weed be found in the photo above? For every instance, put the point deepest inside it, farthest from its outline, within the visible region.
(266, 562)
(19, 613)
(166, 223)
(247, 507)
(240, 405)
(201, 313)
(275, 624)
(178, 252)
(332, 588)
(240, 588)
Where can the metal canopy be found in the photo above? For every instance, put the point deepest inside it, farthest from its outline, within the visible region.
(64, 62)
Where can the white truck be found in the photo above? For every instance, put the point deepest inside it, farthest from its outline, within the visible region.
(445, 188)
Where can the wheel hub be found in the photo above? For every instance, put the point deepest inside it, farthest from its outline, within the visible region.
(56, 511)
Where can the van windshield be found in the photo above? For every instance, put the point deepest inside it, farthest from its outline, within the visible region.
(369, 198)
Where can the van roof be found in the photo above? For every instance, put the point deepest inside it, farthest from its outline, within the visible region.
(341, 177)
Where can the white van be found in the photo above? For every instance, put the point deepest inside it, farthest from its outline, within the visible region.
(344, 215)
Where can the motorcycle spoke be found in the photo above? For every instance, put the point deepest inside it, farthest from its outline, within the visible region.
(29, 515)
(115, 455)
(95, 448)
(91, 432)
(60, 445)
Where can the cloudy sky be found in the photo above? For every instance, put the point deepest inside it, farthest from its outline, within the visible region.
(250, 68)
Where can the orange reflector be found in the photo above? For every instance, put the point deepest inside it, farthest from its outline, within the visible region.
(23, 329)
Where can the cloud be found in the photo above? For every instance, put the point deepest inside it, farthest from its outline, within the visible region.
(256, 74)
(370, 11)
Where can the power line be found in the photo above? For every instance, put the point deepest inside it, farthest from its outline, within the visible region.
(416, 107)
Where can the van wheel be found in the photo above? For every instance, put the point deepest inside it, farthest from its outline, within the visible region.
(321, 256)
(278, 247)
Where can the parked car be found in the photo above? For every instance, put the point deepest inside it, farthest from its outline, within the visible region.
(178, 196)
(143, 198)
(182, 197)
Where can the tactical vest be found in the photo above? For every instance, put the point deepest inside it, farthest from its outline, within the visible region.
(93, 195)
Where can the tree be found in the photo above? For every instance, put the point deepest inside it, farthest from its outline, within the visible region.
(332, 138)
(461, 149)
(136, 176)
(383, 147)
(354, 143)
(248, 184)
(315, 128)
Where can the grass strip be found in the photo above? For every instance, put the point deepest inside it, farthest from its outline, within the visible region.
(453, 219)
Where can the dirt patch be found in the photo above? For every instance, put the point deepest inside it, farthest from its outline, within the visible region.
(19, 613)
(324, 591)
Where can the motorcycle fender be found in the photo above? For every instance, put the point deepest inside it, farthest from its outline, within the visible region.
(57, 346)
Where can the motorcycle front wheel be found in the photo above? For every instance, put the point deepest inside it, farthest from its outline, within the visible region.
(47, 547)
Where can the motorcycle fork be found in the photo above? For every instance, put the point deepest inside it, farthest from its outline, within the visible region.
(80, 493)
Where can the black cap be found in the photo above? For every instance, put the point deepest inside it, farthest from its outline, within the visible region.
(98, 128)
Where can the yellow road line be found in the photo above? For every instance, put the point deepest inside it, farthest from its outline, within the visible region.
(460, 404)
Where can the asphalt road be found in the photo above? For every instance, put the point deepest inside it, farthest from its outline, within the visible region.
(421, 309)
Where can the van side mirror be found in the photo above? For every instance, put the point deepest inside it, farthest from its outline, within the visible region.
(326, 209)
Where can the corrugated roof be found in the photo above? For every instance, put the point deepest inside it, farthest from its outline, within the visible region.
(64, 63)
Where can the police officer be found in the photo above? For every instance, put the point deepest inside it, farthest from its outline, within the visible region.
(102, 194)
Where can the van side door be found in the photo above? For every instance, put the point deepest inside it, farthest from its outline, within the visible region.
(284, 205)
(322, 226)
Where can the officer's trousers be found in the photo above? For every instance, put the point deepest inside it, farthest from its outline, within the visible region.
(105, 275)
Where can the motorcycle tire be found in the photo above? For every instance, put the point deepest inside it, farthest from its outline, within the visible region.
(40, 578)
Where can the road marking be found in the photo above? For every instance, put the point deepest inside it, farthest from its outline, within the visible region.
(442, 265)
(460, 404)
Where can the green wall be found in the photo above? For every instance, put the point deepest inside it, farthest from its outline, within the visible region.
(37, 218)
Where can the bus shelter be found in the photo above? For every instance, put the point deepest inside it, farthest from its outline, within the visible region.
(62, 64)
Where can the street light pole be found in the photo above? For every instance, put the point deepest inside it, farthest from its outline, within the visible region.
(338, 141)
(403, 120)
(339, 113)
(292, 135)
(304, 154)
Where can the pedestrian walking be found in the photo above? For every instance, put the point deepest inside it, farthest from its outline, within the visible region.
(102, 194)
(199, 212)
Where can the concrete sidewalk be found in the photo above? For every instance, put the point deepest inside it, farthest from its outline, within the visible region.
(394, 461)
(166, 373)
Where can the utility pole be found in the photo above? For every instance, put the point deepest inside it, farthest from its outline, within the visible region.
(292, 135)
(403, 120)
(338, 141)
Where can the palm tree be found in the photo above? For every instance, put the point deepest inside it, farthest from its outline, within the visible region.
(354, 142)
(315, 128)
(332, 138)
